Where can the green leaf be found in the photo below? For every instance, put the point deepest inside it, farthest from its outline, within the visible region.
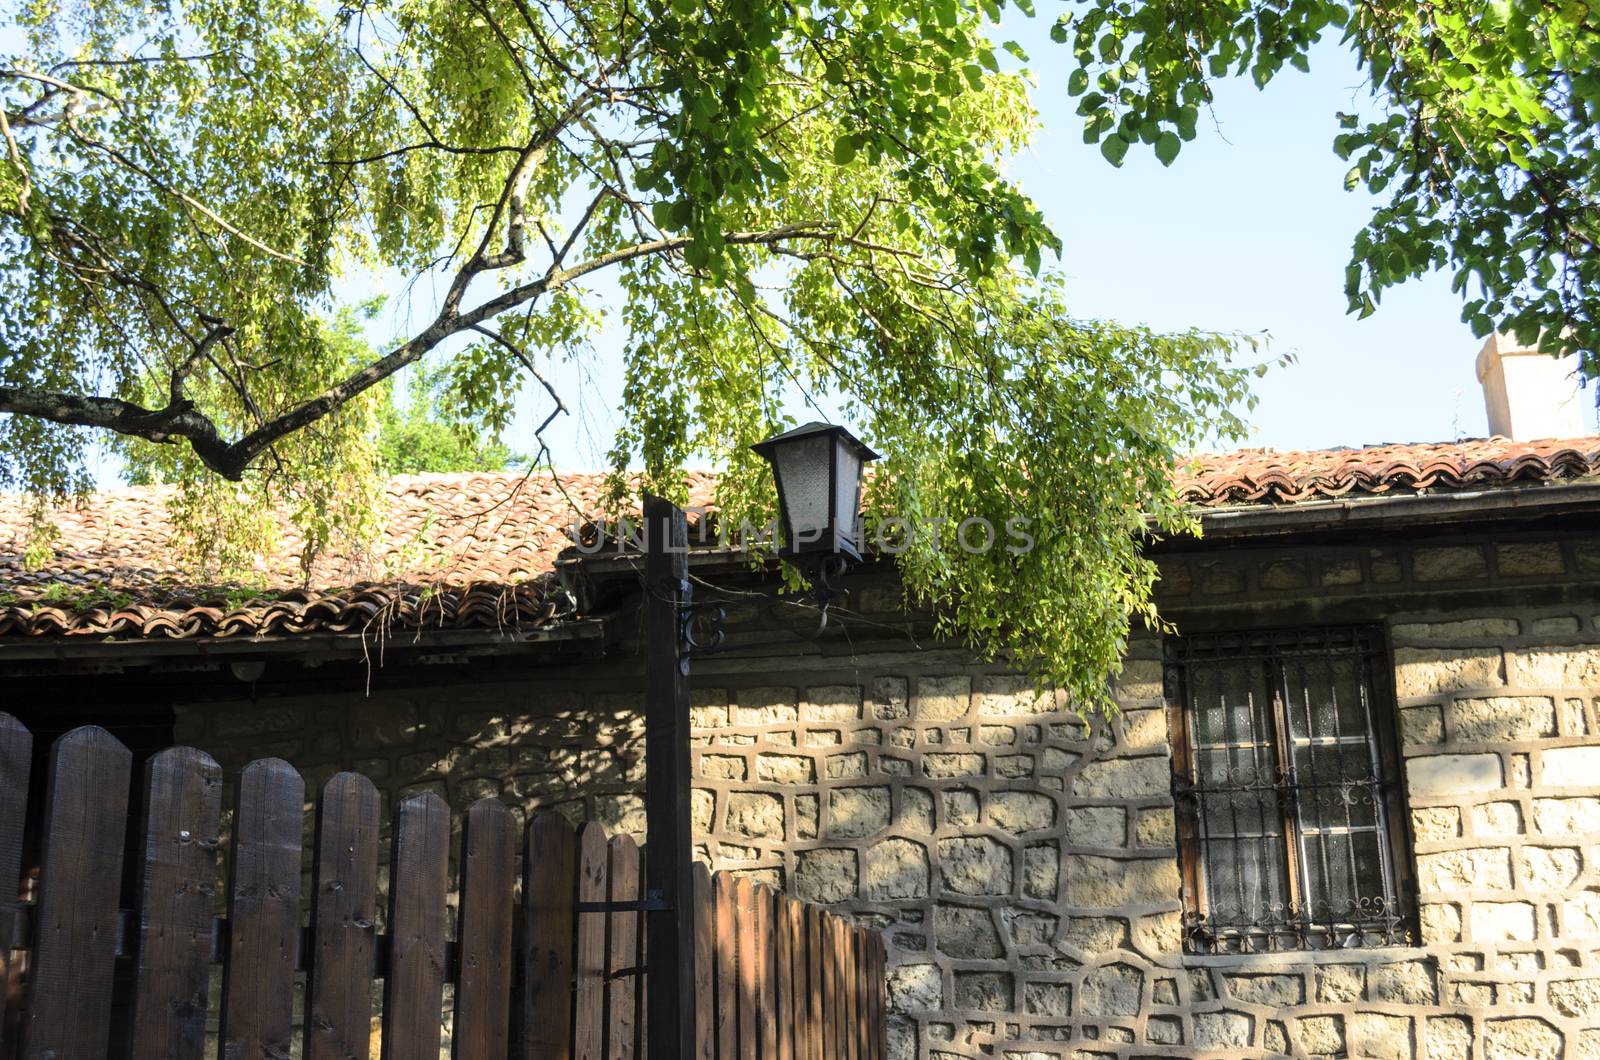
(1167, 147)
(844, 150)
(1114, 148)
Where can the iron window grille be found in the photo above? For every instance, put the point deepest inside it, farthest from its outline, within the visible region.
(1291, 828)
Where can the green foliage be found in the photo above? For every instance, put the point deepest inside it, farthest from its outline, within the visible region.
(782, 198)
(1481, 144)
(419, 437)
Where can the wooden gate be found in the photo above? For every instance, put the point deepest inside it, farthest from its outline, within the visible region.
(99, 961)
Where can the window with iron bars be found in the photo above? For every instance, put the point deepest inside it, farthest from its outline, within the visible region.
(1292, 831)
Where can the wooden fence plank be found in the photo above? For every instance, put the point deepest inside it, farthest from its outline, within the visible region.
(705, 958)
(482, 1025)
(852, 972)
(16, 765)
(589, 1013)
(622, 1006)
(183, 814)
(766, 972)
(547, 891)
(413, 991)
(783, 979)
(799, 988)
(839, 1019)
(344, 911)
(749, 1034)
(263, 911)
(816, 986)
(879, 986)
(80, 880)
(727, 931)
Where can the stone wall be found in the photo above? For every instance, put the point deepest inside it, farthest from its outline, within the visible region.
(1021, 863)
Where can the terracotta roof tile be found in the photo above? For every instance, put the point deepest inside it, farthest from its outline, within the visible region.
(457, 551)
(476, 550)
(1267, 476)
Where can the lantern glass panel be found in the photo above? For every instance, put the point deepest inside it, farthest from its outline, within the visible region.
(847, 489)
(803, 466)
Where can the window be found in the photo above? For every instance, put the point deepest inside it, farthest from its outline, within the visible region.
(1291, 832)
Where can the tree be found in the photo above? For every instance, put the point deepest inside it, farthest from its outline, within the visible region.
(419, 437)
(1482, 134)
(774, 198)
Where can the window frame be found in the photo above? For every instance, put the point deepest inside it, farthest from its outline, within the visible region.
(1296, 931)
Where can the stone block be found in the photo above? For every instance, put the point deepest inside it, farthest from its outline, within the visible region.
(915, 988)
(1454, 774)
(621, 813)
(1112, 990)
(894, 870)
(1378, 1034)
(1557, 626)
(1144, 730)
(1526, 560)
(982, 991)
(975, 865)
(1112, 883)
(960, 807)
(1091, 936)
(1461, 628)
(1124, 778)
(786, 769)
(832, 703)
(1570, 767)
(722, 767)
(1223, 1030)
(1576, 998)
(1154, 829)
(1502, 922)
(1575, 666)
(1520, 1038)
(1003, 696)
(916, 810)
(1052, 1000)
(966, 933)
(857, 812)
(1163, 1030)
(1403, 983)
(1139, 679)
(1278, 991)
(889, 698)
(1482, 868)
(1041, 870)
(942, 698)
(1452, 563)
(945, 765)
(1497, 819)
(1021, 811)
(1497, 718)
(805, 817)
(755, 814)
(702, 811)
(1096, 826)
(772, 705)
(1436, 824)
(1581, 914)
(1283, 574)
(1579, 815)
(1339, 984)
(1320, 1035)
(1550, 868)
(1431, 671)
(1447, 1038)
(1421, 725)
(1440, 922)
(847, 766)
(825, 876)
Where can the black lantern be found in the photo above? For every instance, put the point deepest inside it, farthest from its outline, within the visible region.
(818, 470)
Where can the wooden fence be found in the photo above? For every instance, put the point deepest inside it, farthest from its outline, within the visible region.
(538, 974)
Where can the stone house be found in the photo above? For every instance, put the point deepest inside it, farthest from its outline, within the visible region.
(1351, 808)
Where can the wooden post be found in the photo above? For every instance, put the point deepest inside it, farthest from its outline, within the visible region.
(670, 1001)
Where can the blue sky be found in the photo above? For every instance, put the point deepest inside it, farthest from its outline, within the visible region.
(1249, 230)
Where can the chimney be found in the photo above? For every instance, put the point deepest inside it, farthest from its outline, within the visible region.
(1529, 394)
